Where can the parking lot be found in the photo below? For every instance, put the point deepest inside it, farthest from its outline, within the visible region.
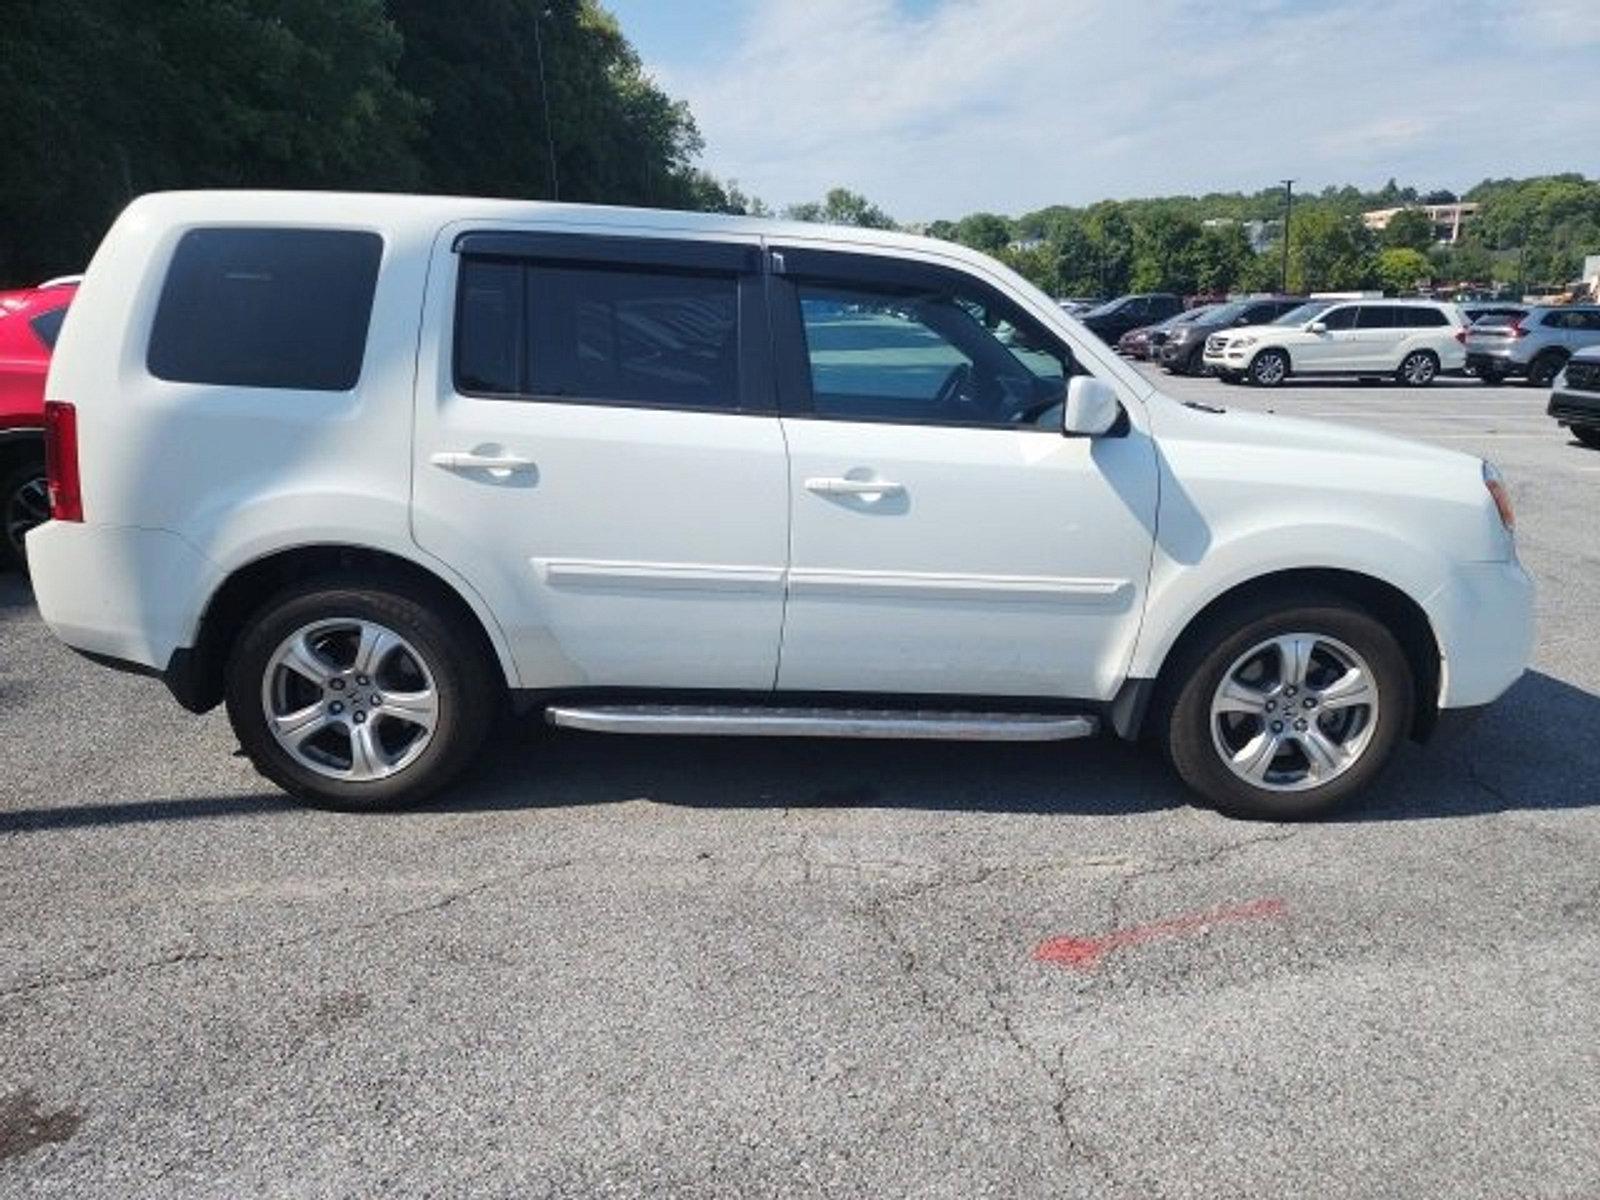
(736, 968)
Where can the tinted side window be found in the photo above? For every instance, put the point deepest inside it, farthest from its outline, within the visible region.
(1340, 318)
(1260, 314)
(598, 334)
(1376, 316)
(1422, 318)
(275, 308)
(48, 325)
(935, 357)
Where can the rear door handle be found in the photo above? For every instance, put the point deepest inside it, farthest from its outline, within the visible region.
(465, 460)
(836, 486)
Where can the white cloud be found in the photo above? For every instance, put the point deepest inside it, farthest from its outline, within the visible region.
(1013, 104)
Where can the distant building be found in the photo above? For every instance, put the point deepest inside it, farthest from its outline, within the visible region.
(1032, 243)
(1448, 219)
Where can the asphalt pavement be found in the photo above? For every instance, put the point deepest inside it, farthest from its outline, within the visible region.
(729, 968)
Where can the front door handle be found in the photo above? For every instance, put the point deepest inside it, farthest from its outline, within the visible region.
(465, 460)
(836, 486)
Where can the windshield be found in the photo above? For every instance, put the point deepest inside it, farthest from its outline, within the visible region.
(1109, 306)
(1299, 316)
(1194, 314)
(1227, 314)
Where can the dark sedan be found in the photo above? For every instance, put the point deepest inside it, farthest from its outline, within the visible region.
(1181, 352)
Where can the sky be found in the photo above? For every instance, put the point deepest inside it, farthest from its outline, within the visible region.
(937, 108)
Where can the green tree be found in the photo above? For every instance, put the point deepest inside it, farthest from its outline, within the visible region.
(1328, 251)
(984, 231)
(1399, 269)
(841, 206)
(1408, 229)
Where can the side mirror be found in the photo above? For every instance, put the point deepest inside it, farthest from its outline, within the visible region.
(1316, 327)
(1091, 409)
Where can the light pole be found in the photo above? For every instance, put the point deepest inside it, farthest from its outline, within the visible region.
(1288, 208)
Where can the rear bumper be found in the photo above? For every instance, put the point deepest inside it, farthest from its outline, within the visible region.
(1479, 361)
(117, 593)
(1575, 408)
(1483, 618)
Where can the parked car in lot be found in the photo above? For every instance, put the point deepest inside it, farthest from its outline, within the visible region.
(1534, 345)
(30, 320)
(1182, 351)
(1115, 317)
(1145, 342)
(1077, 305)
(367, 468)
(1408, 340)
(1575, 398)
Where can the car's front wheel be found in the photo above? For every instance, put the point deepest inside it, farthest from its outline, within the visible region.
(1543, 370)
(1269, 368)
(1418, 368)
(356, 697)
(1288, 708)
(24, 504)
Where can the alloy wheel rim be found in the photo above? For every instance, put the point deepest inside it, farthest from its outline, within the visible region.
(1295, 711)
(1269, 369)
(26, 508)
(1418, 368)
(350, 699)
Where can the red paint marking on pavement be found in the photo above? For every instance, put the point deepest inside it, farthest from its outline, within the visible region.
(1086, 952)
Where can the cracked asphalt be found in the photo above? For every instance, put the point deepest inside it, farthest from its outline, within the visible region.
(732, 968)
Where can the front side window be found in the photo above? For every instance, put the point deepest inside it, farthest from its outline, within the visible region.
(1340, 318)
(933, 357)
(270, 308)
(598, 333)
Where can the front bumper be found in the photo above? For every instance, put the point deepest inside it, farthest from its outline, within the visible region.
(1483, 618)
(1575, 408)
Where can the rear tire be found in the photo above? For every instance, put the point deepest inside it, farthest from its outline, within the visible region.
(1327, 745)
(24, 504)
(1543, 370)
(1269, 368)
(1418, 369)
(1589, 435)
(358, 696)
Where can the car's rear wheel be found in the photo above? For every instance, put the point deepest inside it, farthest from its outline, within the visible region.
(1542, 371)
(1287, 709)
(356, 697)
(1589, 435)
(1418, 369)
(24, 505)
(1269, 368)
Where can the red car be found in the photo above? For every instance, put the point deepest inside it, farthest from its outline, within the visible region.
(30, 319)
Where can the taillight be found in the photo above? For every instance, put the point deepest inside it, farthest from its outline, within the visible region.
(1461, 335)
(61, 461)
(1516, 327)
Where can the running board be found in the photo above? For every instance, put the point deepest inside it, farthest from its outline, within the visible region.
(757, 721)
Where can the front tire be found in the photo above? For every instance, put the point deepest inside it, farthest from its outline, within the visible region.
(359, 697)
(24, 505)
(1418, 369)
(1269, 368)
(1285, 709)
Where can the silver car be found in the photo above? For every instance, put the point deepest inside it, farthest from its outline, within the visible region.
(1534, 345)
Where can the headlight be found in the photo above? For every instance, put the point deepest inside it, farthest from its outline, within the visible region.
(1179, 335)
(1495, 482)
(1242, 341)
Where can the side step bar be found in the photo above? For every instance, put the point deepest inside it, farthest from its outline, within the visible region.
(757, 721)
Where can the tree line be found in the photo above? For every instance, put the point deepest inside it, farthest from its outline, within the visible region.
(1527, 233)
(106, 99)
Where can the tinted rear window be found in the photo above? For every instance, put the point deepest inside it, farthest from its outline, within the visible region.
(273, 308)
(48, 325)
(598, 333)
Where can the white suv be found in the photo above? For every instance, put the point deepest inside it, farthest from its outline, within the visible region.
(367, 468)
(1408, 340)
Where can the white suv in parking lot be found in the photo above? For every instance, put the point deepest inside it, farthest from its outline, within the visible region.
(365, 468)
(1407, 340)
